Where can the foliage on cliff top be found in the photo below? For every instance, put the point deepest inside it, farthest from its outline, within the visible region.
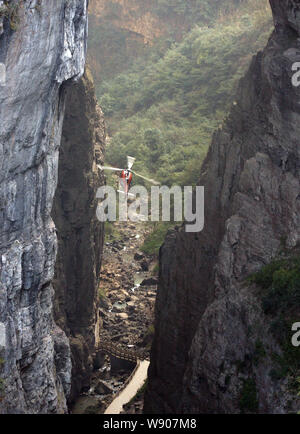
(164, 112)
(280, 281)
(279, 284)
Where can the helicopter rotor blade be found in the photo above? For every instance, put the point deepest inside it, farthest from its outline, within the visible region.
(146, 179)
(114, 169)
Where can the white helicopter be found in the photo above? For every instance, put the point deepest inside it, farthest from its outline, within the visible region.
(126, 175)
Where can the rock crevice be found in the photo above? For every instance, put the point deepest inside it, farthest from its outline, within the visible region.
(80, 234)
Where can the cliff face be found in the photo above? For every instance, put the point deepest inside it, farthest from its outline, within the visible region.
(137, 16)
(126, 28)
(208, 321)
(80, 234)
(42, 46)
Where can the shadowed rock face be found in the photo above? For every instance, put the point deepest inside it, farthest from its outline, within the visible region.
(45, 49)
(207, 319)
(80, 234)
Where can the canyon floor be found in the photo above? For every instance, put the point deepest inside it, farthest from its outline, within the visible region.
(128, 290)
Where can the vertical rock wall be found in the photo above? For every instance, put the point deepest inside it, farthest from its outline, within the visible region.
(80, 234)
(42, 46)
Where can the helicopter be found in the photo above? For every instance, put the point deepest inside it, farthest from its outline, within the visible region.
(126, 175)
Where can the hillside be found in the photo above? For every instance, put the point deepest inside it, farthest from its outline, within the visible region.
(120, 31)
(164, 108)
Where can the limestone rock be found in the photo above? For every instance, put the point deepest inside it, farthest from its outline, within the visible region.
(46, 50)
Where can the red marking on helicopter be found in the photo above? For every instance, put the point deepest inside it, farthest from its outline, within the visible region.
(126, 175)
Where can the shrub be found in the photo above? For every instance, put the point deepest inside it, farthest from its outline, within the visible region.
(154, 241)
(248, 398)
(280, 284)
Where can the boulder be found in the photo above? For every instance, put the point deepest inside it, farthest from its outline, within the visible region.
(122, 315)
(151, 281)
(139, 256)
(103, 388)
(144, 265)
(119, 307)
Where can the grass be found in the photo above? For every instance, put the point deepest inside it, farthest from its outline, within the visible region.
(149, 336)
(102, 293)
(111, 232)
(156, 268)
(155, 240)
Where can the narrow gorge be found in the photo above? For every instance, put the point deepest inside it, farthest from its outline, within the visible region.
(197, 94)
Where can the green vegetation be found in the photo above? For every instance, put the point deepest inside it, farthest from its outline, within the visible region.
(280, 285)
(280, 281)
(154, 241)
(164, 109)
(151, 330)
(259, 352)
(171, 96)
(111, 232)
(156, 268)
(149, 336)
(112, 48)
(248, 399)
(102, 292)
